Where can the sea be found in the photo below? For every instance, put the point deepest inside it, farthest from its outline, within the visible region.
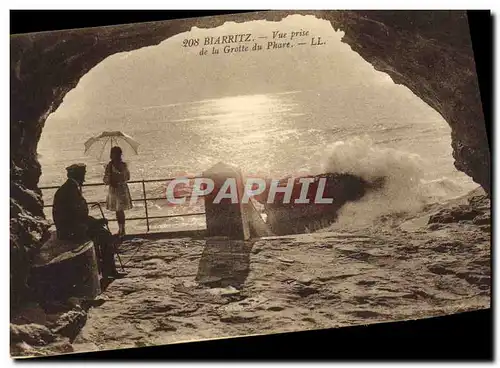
(273, 135)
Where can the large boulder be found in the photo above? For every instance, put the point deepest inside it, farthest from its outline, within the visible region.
(76, 261)
(292, 218)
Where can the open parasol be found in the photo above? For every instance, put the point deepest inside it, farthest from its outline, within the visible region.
(100, 145)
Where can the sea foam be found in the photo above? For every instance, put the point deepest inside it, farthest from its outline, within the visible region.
(404, 189)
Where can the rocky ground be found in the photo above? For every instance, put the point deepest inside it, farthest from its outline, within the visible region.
(409, 266)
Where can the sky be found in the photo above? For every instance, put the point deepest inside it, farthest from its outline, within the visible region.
(168, 73)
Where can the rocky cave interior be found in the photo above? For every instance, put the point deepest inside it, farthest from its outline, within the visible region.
(428, 52)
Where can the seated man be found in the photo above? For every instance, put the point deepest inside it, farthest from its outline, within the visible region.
(71, 217)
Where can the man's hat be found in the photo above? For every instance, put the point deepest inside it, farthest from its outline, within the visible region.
(76, 167)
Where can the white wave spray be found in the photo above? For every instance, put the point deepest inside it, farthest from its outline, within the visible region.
(405, 189)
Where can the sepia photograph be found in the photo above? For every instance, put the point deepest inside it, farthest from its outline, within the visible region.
(244, 174)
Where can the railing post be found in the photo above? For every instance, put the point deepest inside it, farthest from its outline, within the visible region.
(145, 204)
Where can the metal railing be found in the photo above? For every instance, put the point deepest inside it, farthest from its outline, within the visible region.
(144, 199)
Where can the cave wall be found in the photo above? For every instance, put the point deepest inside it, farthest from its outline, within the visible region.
(427, 51)
(430, 52)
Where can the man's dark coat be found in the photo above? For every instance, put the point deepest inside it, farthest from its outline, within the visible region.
(70, 212)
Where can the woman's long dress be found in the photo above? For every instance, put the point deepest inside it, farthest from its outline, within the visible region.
(118, 198)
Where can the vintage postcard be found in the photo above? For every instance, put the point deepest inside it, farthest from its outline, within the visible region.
(244, 174)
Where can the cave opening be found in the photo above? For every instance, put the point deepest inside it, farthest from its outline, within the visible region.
(306, 110)
(434, 62)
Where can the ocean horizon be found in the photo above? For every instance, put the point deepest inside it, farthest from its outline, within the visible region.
(293, 133)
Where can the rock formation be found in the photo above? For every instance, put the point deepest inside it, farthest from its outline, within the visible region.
(429, 52)
(285, 218)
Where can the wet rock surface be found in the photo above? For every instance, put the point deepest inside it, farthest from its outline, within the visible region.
(475, 211)
(184, 289)
(292, 283)
(48, 328)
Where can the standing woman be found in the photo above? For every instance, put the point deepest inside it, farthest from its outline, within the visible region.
(116, 176)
